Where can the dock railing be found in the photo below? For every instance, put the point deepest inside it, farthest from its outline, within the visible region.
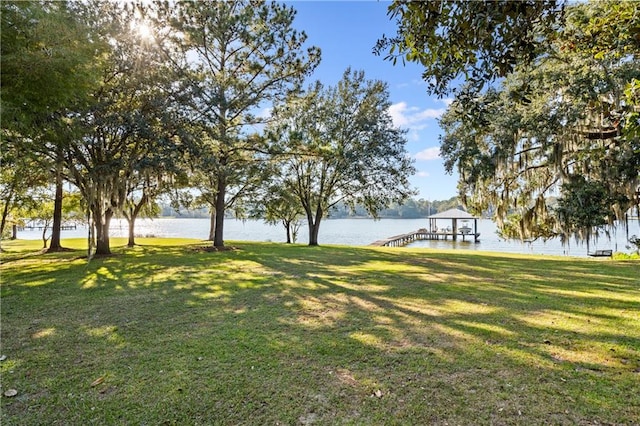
(422, 234)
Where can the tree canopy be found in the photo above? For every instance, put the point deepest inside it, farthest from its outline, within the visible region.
(239, 56)
(126, 100)
(127, 124)
(47, 62)
(476, 40)
(48, 68)
(339, 144)
(563, 126)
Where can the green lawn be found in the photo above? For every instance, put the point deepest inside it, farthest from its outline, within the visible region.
(273, 334)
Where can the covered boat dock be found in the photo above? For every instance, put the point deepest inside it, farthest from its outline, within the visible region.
(439, 231)
(453, 230)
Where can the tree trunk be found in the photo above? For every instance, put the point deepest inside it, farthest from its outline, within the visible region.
(5, 211)
(14, 231)
(132, 238)
(92, 234)
(212, 223)
(131, 219)
(102, 234)
(56, 228)
(313, 233)
(287, 226)
(102, 239)
(45, 228)
(295, 227)
(314, 226)
(218, 238)
(89, 233)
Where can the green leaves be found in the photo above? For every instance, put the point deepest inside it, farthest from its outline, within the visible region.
(46, 62)
(238, 57)
(584, 204)
(546, 127)
(477, 40)
(339, 144)
(632, 117)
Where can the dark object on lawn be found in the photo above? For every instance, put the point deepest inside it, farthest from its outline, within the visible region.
(601, 253)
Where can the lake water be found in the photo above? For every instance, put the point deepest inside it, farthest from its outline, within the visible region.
(355, 232)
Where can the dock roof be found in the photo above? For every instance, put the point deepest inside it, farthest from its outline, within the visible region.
(453, 214)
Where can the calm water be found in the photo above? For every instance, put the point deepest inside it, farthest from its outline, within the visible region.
(356, 232)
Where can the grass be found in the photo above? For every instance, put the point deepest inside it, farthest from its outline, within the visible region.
(277, 334)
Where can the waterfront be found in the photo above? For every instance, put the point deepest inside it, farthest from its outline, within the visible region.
(355, 232)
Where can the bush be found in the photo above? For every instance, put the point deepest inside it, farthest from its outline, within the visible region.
(626, 256)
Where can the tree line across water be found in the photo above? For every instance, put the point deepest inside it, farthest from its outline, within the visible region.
(409, 209)
(208, 103)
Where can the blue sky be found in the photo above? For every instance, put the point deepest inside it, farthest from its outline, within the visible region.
(346, 32)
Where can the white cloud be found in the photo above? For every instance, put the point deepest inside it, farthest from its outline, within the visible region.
(422, 174)
(429, 154)
(397, 114)
(413, 135)
(412, 117)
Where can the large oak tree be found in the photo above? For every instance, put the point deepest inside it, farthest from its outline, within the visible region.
(338, 144)
(129, 122)
(562, 127)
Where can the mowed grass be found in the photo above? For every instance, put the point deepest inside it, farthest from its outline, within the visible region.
(274, 334)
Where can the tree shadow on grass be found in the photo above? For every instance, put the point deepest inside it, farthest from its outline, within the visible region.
(349, 333)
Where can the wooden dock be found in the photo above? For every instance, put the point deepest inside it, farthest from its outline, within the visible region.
(424, 234)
